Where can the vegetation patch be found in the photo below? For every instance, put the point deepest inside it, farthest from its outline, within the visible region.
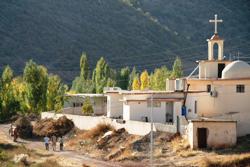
(241, 160)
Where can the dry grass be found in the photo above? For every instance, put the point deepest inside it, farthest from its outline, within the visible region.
(47, 163)
(179, 144)
(100, 129)
(88, 136)
(188, 153)
(241, 160)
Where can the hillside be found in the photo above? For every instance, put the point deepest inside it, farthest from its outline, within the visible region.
(146, 35)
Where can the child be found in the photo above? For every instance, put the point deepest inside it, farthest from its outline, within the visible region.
(46, 142)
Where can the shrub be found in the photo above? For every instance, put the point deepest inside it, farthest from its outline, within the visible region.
(87, 107)
(100, 129)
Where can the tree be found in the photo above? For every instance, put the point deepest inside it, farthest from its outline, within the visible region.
(123, 79)
(132, 75)
(20, 93)
(55, 93)
(87, 107)
(100, 75)
(9, 104)
(80, 85)
(36, 78)
(158, 80)
(84, 65)
(136, 83)
(144, 80)
(177, 71)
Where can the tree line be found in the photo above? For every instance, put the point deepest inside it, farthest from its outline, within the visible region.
(36, 90)
(104, 76)
(33, 92)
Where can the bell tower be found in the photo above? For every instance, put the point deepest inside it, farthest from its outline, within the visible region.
(215, 39)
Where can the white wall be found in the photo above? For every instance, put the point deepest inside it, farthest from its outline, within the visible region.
(228, 104)
(114, 105)
(219, 135)
(98, 103)
(132, 127)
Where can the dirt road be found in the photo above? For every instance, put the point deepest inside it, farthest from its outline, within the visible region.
(66, 158)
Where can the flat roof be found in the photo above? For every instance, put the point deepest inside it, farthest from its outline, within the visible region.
(212, 120)
(85, 95)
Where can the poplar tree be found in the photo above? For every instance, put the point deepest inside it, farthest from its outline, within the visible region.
(123, 78)
(131, 78)
(158, 80)
(84, 66)
(100, 75)
(144, 80)
(55, 93)
(36, 78)
(177, 70)
(9, 104)
(136, 83)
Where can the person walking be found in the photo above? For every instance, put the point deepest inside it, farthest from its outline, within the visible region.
(15, 134)
(53, 139)
(46, 142)
(61, 143)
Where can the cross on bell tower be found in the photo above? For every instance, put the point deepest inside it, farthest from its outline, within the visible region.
(215, 21)
(215, 40)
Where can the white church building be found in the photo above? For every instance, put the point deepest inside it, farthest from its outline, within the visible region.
(211, 109)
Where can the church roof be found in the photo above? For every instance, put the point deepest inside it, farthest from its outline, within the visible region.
(215, 37)
(236, 69)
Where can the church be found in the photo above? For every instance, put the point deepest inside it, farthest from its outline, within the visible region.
(211, 109)
(217, 104)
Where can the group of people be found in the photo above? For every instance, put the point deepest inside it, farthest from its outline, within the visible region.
(13, 132)
(53, 140)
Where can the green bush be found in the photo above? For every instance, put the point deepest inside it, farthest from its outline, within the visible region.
(87, 107)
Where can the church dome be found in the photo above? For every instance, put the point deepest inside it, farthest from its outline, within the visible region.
(236, 69)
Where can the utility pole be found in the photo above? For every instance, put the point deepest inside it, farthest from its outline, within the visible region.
(151, 133)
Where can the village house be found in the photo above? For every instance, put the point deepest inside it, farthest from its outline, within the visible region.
(74, 102)
(136, 105)
(210, 109)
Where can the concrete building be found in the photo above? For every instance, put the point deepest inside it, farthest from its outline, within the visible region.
(217, 105)
(74, 102)
(136, 105)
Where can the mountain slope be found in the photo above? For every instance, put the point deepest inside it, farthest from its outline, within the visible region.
(55, 33)
(147, 34)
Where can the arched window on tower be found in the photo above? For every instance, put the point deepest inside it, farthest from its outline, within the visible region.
(215, 50)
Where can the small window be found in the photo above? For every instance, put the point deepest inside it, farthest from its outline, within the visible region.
(155, 104)
(208, 88)
(240, 88)
(195, 107)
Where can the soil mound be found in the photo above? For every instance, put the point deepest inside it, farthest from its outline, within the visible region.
(50, 127)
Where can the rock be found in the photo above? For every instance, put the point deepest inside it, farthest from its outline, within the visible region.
(21, 158)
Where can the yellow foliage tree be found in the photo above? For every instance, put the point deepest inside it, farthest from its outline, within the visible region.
(144, 80)
(136, 84)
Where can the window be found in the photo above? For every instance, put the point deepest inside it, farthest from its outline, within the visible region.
(208, 88)
(240, 88)
(195, 107)
(155, 103)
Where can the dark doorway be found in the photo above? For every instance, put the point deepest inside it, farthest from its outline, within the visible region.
(221, 66)
(202, 137)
